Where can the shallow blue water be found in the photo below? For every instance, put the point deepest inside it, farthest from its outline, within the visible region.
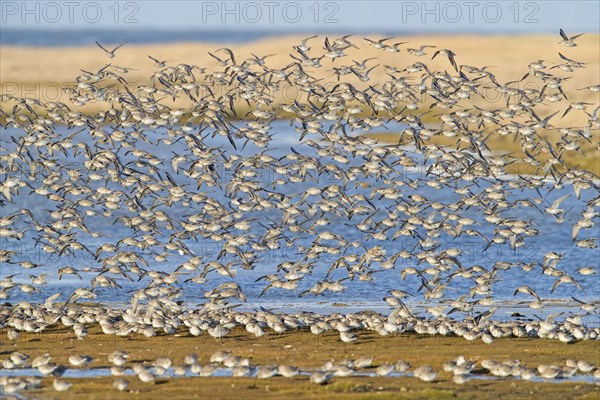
(227, 372)
(87, 37)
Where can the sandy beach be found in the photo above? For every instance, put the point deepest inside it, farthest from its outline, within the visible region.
(31, 71)
(507, 55)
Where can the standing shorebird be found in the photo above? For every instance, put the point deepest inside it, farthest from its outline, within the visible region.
(61, 386)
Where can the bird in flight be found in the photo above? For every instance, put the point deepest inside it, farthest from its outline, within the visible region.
(158, 63)
(448, 53)
(568, 41)
(110, 53)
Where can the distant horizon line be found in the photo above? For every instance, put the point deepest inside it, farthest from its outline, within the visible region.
(73, 37)
(279, 31)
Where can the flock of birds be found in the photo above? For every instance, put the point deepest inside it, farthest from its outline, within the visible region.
(224, 363)
(127, 195)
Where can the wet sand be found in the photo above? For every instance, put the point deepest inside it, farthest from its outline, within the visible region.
(305, 350)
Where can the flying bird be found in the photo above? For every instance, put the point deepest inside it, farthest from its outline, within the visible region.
(448, 53)
(110, 53)
(568, 41)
